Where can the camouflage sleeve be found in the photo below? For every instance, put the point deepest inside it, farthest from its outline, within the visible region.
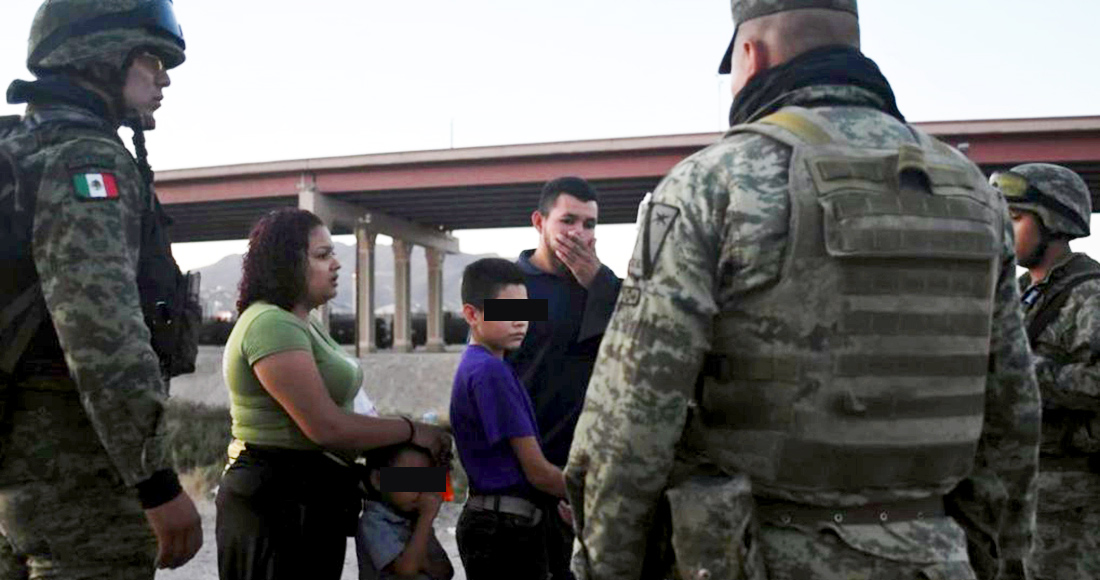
(1074, 384)
(637, 400)
(1008, 451)
(87, 232)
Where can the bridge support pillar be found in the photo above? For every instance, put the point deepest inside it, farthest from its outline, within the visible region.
(402, 296)
(435, 258)
(364, 290)
(311, 200)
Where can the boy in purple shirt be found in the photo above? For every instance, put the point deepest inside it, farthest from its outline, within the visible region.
(501, 532)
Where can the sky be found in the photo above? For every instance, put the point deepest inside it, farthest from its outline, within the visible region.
(286, 79)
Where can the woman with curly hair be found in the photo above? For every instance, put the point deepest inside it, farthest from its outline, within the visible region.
(288, 499)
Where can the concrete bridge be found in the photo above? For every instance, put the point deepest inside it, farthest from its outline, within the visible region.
(418, 198)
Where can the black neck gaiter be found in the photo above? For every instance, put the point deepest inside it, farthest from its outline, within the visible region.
(831, 65)
(57, 90)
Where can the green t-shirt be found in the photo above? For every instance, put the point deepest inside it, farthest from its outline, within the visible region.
(263, 330)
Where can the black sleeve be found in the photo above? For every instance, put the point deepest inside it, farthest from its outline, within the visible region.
(602, 295)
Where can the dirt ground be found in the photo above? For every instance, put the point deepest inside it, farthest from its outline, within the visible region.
(205, 564)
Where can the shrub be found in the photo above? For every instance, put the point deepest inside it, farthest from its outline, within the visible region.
(197, 437)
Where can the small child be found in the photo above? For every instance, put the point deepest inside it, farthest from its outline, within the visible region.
(395, 538)
(502, 530)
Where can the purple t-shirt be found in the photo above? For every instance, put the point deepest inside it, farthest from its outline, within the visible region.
(489, 406)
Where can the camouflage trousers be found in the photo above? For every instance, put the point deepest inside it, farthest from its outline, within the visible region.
(64, 511)
(1067, 542)
(930, 549)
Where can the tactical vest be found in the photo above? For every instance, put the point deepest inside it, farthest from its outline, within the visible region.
(864, 367)
(169, 299)
(1043, 303)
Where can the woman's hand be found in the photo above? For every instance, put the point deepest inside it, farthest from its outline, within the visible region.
(434, 439)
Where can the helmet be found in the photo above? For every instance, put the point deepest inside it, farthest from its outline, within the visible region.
(1057, 195)
(73, 33)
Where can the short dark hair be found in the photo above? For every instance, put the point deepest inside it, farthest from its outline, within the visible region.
(485, 278)
(387, 456)
(274, 267)
(575, 186)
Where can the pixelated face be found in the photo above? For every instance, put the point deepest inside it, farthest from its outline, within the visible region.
(406, 501)
(572, 216)
(502, 335)
(145, 80)
(321, 268)
(1025, 227)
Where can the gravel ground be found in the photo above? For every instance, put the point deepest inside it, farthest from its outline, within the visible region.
(205, 564)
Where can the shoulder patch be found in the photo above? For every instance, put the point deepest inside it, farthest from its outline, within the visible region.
(651, 238)
(89, 161)
(630, 296)
(95, 186)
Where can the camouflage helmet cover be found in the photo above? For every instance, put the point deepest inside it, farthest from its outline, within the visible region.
(745, 10)
(74, 33)
(1056, 194)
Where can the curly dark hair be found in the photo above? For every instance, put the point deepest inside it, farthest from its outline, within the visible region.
(274, 268)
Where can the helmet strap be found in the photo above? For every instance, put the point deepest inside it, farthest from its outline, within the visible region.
(142, 154)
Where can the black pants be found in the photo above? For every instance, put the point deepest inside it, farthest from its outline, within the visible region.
(498, 545)
(559, 544)
(283, 515)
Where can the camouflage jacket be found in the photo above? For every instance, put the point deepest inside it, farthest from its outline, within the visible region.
(1067, 366)
(86, 239)
(728, 208)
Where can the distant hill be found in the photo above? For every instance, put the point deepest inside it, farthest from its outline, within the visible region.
(219, 280)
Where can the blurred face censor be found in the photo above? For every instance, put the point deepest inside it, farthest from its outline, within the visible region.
(321, 268)
(145, 80)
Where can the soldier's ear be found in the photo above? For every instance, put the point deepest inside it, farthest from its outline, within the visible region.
(755, 57)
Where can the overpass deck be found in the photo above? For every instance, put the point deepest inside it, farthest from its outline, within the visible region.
(487, 187)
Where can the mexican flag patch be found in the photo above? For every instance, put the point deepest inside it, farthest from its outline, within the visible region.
(95, 185)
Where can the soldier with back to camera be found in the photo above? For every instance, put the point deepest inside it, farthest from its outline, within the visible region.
(817, 367)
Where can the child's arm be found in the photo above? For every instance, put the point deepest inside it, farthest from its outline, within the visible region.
(414, 558)
(438, 567)
(545, 476)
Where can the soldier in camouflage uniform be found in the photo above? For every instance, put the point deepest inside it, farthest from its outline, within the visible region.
(842, 285)
(86, 488)
(1050, 205)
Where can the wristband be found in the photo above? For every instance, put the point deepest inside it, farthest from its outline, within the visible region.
(162, 487)
(412, 430)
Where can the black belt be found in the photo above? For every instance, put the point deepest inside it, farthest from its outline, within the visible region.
(288, 455)
(785, 513)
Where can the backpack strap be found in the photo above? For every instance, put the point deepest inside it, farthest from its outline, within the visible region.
(29, 304)
(791, 126)
(1077, 272)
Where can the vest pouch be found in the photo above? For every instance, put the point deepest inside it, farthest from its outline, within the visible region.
(935, 216)
(934, 542)
(714, 528)
(187, 322)
(169, 298)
